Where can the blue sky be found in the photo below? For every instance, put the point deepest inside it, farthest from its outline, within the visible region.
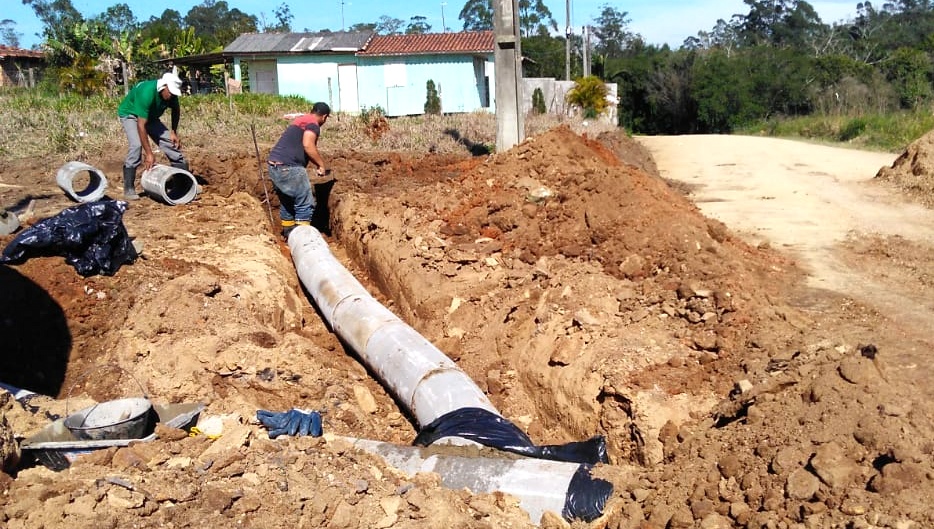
(658, 21)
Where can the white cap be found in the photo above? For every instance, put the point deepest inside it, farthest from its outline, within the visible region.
(172, 81)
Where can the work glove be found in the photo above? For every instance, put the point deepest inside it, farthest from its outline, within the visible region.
(292, 422)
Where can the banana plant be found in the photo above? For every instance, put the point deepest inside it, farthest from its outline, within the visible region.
(187, 44)
(129, 48)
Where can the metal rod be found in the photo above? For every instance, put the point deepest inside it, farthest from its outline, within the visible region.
(262, 174)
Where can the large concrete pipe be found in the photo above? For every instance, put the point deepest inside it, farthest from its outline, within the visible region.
(96, 183)
(442, 398)
(540, 485)
(170, 185)
(420, 376)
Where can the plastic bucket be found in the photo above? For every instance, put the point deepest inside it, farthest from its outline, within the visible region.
(170, 185)
(115, 419)
(96, 184)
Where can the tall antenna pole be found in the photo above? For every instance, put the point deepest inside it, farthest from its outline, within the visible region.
(342, 15)
(444, 28)
(567, 42)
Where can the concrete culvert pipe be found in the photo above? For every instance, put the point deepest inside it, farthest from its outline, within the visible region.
(433, 389)
(421, 377)
(73, 174)
(567, 489)
(170, 185)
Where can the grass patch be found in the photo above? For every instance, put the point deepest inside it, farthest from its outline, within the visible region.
(891, 132)
(87, 129)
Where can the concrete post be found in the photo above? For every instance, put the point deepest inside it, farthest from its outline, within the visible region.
(507, 61)
(567, 42)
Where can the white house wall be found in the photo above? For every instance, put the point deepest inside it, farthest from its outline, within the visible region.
(399, 84)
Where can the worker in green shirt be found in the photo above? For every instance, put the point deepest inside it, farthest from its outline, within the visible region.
(139, 114)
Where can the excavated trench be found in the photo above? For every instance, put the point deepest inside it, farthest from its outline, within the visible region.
(579, 292)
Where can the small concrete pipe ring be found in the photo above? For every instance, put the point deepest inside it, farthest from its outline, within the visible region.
(96, 186)
(170, 185)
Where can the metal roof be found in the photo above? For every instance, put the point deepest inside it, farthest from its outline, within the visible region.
(430, 43)
(345, 41)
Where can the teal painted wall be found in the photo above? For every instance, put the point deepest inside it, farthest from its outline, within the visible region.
(312, 77)
(399, 84)
(396, 84)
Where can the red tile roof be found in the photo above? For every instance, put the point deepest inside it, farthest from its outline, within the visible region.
(7, 51)
(431, 43)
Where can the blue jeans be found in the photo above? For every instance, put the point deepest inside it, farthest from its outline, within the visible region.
(296, 198)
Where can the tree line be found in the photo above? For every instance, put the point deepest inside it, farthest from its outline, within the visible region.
(776, 59)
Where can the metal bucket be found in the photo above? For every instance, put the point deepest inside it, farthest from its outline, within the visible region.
(115, 419)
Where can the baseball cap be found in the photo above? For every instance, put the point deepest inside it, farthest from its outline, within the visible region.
(172, 81)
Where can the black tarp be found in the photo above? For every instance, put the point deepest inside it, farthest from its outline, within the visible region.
(90, 236)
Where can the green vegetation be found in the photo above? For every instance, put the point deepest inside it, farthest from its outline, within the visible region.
(72, 127)
(538, 101)
(589, 93)
(432, 99)
(890, 132)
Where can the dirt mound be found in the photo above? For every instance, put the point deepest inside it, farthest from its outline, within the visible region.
(913, 171)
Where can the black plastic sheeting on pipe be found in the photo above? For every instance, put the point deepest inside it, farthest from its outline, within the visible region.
(586, 496)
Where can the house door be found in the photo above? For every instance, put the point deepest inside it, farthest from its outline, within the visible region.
(263, 77)
(347, 87)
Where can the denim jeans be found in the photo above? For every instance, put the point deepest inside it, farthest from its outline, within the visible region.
(296, 198)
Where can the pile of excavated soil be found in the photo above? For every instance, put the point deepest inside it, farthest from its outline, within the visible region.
(913, 171)
(581, 292)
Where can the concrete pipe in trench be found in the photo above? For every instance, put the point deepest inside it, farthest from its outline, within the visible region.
(540, 485)
(432, 386)
(419, 375)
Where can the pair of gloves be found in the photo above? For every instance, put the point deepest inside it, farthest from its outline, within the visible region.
(292, 422)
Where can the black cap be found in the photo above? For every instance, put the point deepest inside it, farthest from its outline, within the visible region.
(321, 109)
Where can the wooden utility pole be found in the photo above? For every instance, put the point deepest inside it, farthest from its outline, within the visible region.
(507, 61)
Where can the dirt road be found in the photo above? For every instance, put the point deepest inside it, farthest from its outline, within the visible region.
(821, 204)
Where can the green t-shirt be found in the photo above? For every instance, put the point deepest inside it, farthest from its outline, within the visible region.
(143, 100)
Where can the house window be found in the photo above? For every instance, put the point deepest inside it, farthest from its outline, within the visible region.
(394, 74)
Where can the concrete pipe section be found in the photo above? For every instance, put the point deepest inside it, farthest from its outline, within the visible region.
(541, 486)
(73, 173)
(421, 377)
(433, 389)
(170, 185)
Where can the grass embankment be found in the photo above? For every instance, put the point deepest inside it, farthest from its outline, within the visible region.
(875, 132)
(78, 128)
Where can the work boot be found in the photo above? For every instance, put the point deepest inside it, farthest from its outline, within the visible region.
(129, 178)
(183, 165)
(287, 227)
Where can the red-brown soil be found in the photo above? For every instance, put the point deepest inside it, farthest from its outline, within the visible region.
(582, 292)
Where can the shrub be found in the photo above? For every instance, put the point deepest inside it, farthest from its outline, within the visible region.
(589, 93)
(538, 102)
(433, 101)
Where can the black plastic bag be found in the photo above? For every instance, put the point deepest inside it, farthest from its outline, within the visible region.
(489, 429)
(586, 496)
(91, 236)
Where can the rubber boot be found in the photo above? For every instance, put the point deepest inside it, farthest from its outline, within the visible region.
(129, 178)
